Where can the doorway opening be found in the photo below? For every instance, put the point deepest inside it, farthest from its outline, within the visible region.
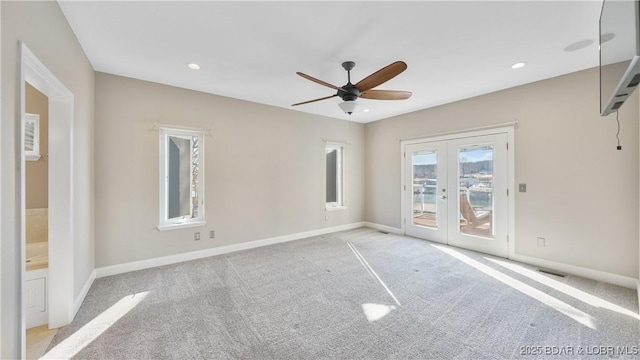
(58, 300)
(36, 148)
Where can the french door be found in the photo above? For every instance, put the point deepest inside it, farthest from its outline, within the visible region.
(455, 192)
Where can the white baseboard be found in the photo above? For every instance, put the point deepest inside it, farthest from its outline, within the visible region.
(615, 279)
(620, 280)
(177, 258)
(83, 294)
(610, 278)
(384, 228)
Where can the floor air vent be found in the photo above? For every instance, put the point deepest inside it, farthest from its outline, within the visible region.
(550, 272)
(384, 232)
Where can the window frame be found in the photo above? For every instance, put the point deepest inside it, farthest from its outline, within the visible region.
(34, 153)
(164, 222)
(340, 202)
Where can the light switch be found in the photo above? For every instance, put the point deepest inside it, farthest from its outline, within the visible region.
(522, 187)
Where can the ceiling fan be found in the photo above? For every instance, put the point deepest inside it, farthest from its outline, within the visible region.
(350, 92)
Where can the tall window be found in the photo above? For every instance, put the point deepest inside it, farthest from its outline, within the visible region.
(181, 178)
(335, 175)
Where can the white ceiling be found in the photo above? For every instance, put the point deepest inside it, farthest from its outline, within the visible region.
(252, 50)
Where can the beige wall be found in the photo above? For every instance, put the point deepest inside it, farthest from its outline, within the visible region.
(43, 28)
(582, 194)
(37, 172)
(264, 169)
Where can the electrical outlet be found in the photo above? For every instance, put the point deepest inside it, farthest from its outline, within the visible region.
(541, 241)
(212, 234)
(326, 218)
(196, 236)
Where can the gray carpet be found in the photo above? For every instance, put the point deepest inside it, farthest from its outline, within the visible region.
(305, 299)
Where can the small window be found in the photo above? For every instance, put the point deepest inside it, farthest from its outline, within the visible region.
(32, 137)
(181, 178)
(335, 175)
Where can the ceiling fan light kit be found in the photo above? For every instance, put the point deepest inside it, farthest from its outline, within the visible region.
(349, 107)
(349, 93)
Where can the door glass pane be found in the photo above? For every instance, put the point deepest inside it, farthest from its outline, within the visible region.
(476, 190)
(425, 205)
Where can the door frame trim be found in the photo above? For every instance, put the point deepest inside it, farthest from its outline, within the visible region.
(509, 129)
(60, 299)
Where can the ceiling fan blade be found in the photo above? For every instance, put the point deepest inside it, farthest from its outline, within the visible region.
(385, 74)
(319, 81)
(386, 95)
(314, 100)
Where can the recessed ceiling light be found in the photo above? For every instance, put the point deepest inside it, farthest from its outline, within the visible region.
(365, 110)
(193, 66)
(579, 45)
(518, 65)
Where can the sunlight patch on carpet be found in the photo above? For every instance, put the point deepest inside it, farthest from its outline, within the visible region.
(562, 307)
(566, 289)
(375, 312)
(89, 332)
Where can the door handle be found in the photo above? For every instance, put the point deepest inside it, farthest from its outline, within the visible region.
(443, 197)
